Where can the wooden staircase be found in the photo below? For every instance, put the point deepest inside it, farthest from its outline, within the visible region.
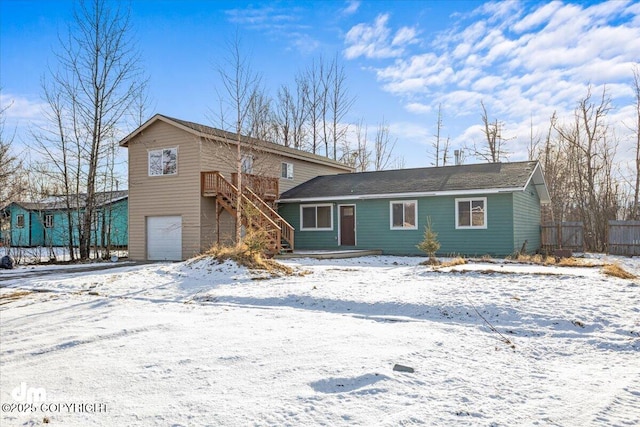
(256, 213)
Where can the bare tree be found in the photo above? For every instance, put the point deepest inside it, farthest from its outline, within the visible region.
(341, 103)
(436, 144)
(440, 146)
(314, 95)
(241, 85)
(260, 122)
(591, 148)
(12, 183)
(494, 150)
(284, 116)
(95, 87)
(534, 142)
(358, 157)
(383, 147)
(635, 209)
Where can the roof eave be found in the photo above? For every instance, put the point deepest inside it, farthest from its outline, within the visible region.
(287, 153)
(402, 195)
(539, 183)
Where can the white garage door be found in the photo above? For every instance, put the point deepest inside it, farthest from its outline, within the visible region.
(164, 238)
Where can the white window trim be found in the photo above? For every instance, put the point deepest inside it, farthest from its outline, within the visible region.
(18, 216)
(302, 228)
(149, 162)
(471, 227)
(395, 202)
(288, 165)
(48, 221)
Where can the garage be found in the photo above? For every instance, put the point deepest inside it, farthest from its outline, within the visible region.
(164, 238)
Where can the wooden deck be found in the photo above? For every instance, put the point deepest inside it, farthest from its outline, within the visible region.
(330, 254)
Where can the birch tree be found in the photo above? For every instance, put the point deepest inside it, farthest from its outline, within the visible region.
(97, 82)
(12, 183)
(240, 87)
(635, 209)
(493, 151)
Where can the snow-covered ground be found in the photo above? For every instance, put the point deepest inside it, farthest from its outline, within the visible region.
(42, 254)
(190, 344)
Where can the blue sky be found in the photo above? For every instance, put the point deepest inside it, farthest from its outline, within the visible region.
(402, 59)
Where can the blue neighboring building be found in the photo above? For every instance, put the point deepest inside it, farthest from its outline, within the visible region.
(46, 223)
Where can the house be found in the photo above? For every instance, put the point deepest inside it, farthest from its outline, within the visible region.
(182, 187)
(46, 223)
(477, 209)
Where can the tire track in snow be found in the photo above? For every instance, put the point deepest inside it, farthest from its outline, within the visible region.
(623, 408)
(23, 354)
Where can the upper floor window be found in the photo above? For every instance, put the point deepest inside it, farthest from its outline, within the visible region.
(247, 163)
(20, 221)
(48, 221)
(471, 213)
(404, 214)
(287, 170)
(163, 162)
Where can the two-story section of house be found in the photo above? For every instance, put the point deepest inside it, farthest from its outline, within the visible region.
(182, 186)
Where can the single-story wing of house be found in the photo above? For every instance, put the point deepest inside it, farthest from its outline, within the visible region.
(46, 222)
(477, 209)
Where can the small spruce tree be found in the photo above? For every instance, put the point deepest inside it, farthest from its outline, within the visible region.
(430, 244)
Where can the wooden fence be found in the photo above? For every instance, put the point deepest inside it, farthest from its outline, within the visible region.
(624, 238)
(565, 235)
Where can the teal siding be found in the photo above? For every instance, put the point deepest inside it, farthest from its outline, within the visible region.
(310, 239)
(111, 226)
(527, 220)
(32, 234)
(373, 230)
(58, 235)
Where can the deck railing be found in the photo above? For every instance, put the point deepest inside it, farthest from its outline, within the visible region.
(265, 187)
(256, 211)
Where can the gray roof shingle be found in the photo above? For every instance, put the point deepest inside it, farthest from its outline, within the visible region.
(421, 180)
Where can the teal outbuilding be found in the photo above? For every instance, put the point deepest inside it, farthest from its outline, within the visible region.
(46, 223)
(478, 209)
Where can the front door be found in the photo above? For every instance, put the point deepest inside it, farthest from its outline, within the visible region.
(348, 225)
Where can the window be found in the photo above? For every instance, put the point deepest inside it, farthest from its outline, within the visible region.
(404, 214)
(247, 163)
(163, 162)
(316, 217)
(48, 221)
(20, 221)
(287, 170)
(471, 213)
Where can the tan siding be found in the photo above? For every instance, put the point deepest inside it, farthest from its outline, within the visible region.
(303, 171)
(227, 228)
(207, 223)
(164, 195)
(217, 156)
(180, 194)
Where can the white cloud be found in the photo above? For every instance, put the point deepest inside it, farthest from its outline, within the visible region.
(377, 41)
(538, 17)
(524, 60)
(418, 108)
(278, 23)
(405, 35)
(18, 107)
(351, 8)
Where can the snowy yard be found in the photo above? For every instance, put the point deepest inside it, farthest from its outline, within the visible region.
(206, 344)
